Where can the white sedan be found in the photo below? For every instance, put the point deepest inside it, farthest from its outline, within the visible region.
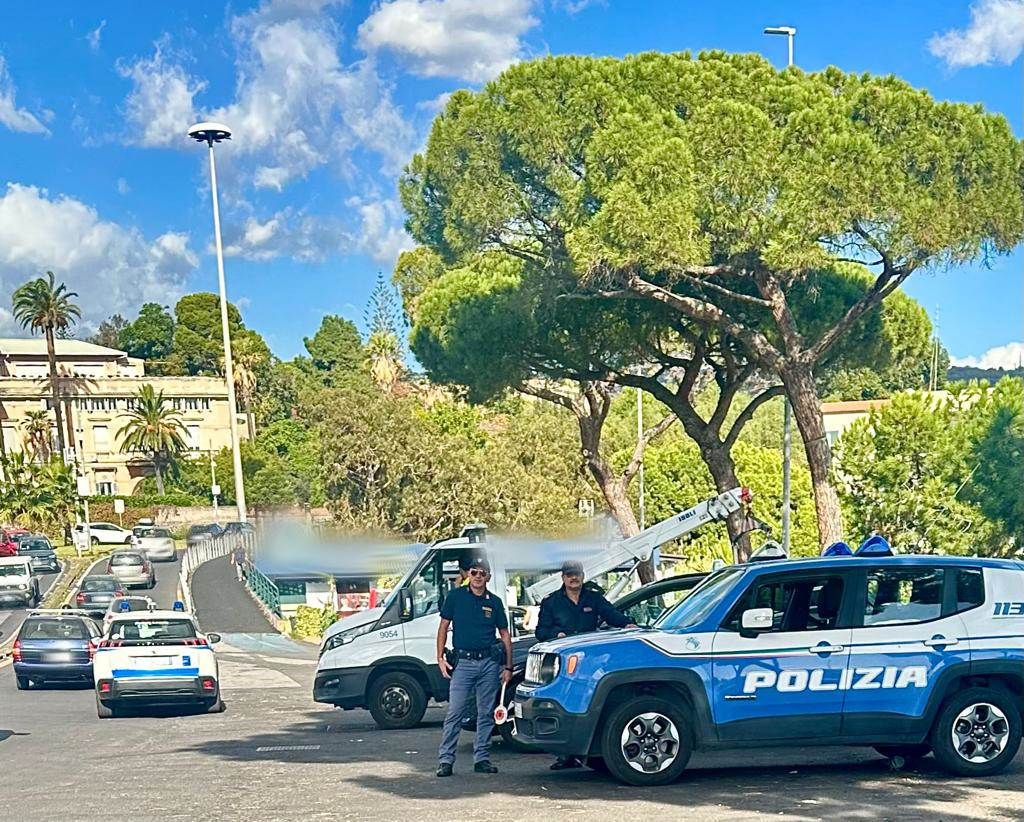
(157, 543)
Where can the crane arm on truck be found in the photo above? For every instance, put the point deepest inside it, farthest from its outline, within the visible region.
(641, 547)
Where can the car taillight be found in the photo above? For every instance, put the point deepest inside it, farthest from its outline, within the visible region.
(145, 567)
(92, 650)
(197, 642)
(80, 598)
(104, 687)
(16, 650)
(111, 643)
(208, 683)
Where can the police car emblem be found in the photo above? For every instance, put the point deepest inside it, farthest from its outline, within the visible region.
(692, 643)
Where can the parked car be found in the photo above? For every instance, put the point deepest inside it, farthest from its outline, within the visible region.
(96, 591)
(17, 582)
(201, 533)
(39, 550)
(235, 527)
(131, 568)
(9, 541)
(156, 543)
(104, 533)
(54, 648)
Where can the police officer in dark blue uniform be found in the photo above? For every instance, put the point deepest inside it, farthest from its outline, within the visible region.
(482, 661)
(575, 609)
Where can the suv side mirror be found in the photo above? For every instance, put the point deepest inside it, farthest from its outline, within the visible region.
(756, 621)
(405, 603)
(213, 639)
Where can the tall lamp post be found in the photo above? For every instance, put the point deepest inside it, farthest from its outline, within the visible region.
(787, 413)
(211, 133)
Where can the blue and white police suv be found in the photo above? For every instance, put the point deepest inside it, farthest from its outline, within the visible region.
(907, 654)
(156, 658)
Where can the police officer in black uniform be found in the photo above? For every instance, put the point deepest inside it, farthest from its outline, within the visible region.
(482, 661)
(575, 609)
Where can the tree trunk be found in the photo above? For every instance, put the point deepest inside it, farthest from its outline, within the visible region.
(613, 489)
(803, 396)
(250, 421)
(159, 471)
(51, 355)
(722, 468)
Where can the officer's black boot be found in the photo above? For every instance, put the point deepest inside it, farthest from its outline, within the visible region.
(564, 762)
(484, 766)
(444, 769)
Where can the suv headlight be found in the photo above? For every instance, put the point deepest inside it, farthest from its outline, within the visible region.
(22, 586)
(542, 668)
(345, 637)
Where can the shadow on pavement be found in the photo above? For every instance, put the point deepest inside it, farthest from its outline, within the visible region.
(854, 789)
(5, 734)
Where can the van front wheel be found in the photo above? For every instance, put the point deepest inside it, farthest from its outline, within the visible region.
(397, 700)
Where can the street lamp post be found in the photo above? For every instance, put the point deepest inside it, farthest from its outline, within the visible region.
(211, 133)
(787, 413)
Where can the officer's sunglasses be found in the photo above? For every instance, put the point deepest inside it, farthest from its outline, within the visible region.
(477, 572)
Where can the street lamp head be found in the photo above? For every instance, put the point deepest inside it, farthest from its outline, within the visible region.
(788, 30)
(209, 133)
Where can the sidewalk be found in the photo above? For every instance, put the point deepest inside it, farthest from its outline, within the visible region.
(222, 603)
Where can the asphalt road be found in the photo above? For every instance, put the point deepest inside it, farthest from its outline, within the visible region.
(276, 755)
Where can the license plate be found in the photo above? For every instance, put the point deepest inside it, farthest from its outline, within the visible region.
(517, 710)
(151, 662)
(61, 656)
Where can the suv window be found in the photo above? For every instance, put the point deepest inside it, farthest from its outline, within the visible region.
(803, 604)
(645, 612)
(898, 596)
(54, 629)
(970, 589)
(13, 570)
(153, 629)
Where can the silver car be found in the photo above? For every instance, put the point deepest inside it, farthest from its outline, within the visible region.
(155, 543)
(131, 568)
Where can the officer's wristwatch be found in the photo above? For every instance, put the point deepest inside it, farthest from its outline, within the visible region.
(508, 669)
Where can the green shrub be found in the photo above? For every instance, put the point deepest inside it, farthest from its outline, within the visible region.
(313, 622)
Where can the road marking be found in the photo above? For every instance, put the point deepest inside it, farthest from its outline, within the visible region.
(269, 748)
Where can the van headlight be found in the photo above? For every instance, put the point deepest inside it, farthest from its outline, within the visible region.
(22, 586)
(345, 637)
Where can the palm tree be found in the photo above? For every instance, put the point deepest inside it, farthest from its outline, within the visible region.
(42, 305)
(37, 433)
(156, 429)
(385, 354)
(248, 352)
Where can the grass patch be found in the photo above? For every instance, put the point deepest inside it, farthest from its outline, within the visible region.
(75, 567)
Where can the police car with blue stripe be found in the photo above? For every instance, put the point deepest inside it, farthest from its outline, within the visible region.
(156, 658)
(907, 654)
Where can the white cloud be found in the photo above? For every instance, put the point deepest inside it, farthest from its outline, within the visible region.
(122, 186)
(1007, 356)
(16, 119)
(381, 235)
(435, 105)
(995, 35)
(93, 37)
(467, 39)
(112, 267)
(161, 105)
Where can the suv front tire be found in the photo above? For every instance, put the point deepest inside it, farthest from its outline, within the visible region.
(646, 741)
(977, 732)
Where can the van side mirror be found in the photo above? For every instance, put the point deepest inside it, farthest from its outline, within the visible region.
(405, 600)
(756, 621)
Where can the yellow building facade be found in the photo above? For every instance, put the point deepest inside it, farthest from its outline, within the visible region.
(98, 387)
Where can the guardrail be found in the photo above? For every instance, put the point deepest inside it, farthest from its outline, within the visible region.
(213, 548)
(264, 588)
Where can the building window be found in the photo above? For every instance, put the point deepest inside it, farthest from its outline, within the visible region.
(100, 439)
(204, 403)
(193, 436)
(130, 403)
(106, 489)
(191, 404)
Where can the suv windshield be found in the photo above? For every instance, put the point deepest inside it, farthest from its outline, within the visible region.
(13, 570)
(155, 533)
(36, 545)
(53, 629)
(126, 559)
(153, 629)
(692, 610)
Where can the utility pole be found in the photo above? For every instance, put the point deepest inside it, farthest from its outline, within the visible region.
(639, 437)
(214, 488)
(787, 413)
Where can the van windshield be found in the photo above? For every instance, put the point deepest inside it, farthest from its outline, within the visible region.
(13, 571)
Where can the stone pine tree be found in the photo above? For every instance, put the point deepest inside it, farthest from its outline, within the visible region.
(725, 192)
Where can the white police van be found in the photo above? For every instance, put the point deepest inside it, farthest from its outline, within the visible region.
(384, 658)
(909, 654)
(156, 658)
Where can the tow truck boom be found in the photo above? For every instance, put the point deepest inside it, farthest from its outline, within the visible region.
(639, 548)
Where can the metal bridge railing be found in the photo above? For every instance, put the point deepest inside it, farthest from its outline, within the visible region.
(263, 587)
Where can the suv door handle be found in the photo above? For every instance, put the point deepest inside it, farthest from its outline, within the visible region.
(941, 641)
(825, 649)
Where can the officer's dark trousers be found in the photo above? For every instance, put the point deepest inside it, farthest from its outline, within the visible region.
(471, 675)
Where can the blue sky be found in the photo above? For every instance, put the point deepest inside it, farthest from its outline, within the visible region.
(329, 99)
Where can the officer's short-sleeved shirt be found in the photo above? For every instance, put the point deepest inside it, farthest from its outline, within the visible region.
(475, 619)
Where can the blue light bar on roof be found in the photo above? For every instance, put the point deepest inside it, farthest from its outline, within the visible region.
(838, 549)
(874, 546)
